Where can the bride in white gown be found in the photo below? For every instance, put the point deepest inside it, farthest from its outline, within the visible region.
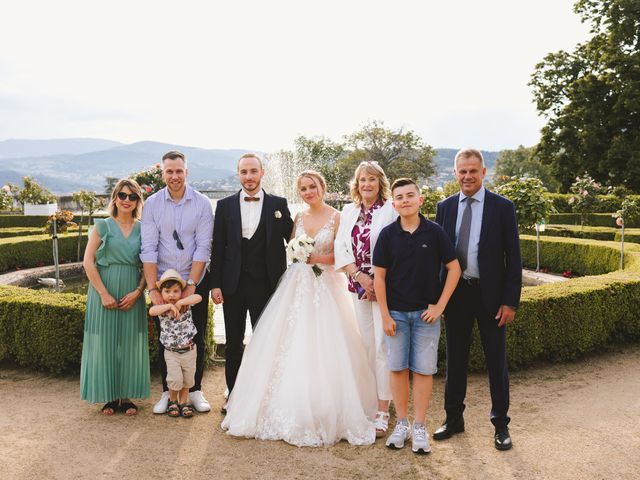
(304, 376)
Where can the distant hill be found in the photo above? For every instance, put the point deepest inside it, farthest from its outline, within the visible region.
(67, 165)
(37, 148)
(64, 172)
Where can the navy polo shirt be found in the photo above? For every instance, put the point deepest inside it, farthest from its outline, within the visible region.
(413, 262)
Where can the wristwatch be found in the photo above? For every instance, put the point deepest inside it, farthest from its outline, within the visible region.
(191, 283)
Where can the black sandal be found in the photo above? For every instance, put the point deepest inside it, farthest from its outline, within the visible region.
(174, 409)
(128, 406)
(113, 406)
(186, 410)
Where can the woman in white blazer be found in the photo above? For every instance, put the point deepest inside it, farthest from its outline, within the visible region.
(360, 225)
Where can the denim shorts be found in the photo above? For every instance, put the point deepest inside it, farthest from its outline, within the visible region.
(415, 344)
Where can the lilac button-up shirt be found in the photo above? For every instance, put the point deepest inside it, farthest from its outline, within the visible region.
(192, 220)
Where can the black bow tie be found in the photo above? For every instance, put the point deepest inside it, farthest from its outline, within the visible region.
(251, 199)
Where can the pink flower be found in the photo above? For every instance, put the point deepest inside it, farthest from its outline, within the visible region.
(146, 188)
(7, 188)
(157, 165)
(584, 193)
(619, 221)
(572, 200)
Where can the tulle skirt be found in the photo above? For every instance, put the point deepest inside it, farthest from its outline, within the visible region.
(304, 376)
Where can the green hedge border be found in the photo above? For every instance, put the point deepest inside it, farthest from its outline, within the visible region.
(594, 219)
(44, 330)
(37, 250)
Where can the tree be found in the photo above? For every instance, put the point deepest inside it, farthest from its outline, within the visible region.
(323, 155)
(6, 198)
(585, 192)
(431, 198)
(523, 162)
(629, 212)
(400, 153)
(89, 202)
(34, 193)
(591, 98)
(110, 184)
(532, 205)
(150, 180)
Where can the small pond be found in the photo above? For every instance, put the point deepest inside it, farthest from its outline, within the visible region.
(72, 284)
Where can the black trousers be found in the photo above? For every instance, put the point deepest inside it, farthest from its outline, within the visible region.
(252, 295)
(464, 308)
(200, 313)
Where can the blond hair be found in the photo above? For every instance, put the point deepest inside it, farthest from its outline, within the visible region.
(370, 168)
(135, 188)
(316, 178)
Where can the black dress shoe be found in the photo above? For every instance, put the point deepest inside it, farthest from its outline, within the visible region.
(502, 438)
(448, 429)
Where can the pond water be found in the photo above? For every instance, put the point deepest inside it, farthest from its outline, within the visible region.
(74, 284)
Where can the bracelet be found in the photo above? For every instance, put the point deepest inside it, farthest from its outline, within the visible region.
(152, 289)
(139, 288)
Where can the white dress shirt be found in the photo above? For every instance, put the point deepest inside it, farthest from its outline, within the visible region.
(477, 208)
(250, 213)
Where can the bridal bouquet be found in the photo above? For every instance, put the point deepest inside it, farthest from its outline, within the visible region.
(299, 249)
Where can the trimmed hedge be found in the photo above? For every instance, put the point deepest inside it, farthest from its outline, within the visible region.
(44, 330)
(595, 219)
(27, 231)
(562, 321)
(37, 250)
(9, 221)
(606, 204)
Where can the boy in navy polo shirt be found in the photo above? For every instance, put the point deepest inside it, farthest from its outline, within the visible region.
(408, 258)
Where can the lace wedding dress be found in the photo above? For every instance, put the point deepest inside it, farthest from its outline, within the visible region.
(304, 376)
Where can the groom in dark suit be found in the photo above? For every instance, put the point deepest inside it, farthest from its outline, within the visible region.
(483, 227)
(248, 256)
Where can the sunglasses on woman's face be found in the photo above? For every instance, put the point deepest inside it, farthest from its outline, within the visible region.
(133, 197)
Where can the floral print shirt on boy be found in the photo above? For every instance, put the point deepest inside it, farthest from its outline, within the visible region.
(175, 333)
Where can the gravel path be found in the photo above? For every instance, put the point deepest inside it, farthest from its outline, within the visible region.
(570, 421)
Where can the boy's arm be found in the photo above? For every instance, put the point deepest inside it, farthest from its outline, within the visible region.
(160, 309)
(189, 300)
(380, 287)
(433, 312)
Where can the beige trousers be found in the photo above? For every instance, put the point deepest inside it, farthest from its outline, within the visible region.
(181, 369)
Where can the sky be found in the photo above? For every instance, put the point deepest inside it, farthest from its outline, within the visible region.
(256, 74)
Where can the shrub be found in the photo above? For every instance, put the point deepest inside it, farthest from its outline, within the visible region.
(595, 219)
(35, 250)
(44, 330)
(562, 321)
(605, 203)
(39, 221)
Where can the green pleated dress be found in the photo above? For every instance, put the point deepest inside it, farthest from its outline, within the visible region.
(115, 352)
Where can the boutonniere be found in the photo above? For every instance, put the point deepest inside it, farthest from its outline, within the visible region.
(277, 214)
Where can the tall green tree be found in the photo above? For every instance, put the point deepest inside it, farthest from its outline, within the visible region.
(523, 162)
(323, 155)
(591, 98)
(400, 152)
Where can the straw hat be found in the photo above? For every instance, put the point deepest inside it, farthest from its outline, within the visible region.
(171, 274)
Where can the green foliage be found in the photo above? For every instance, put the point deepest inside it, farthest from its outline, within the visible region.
(110, 184)
(34, 221)
(605, 204)
(432, 196)
(523, 162)
(6, 198)
(585, 198)
(32, 192)
(595, 219)
(150, 180)
(450, 188)
(35, 251)
(400, 153)
(63, 221)
(629, 212)
(528, 195)
(44, 330)
(323, 155)
(87, 201)
(591, 98)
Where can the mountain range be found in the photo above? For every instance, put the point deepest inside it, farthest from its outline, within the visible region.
(67, 165)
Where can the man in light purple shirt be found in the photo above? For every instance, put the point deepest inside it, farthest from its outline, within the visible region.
(177, 226)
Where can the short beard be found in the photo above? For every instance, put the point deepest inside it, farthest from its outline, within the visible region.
(255, 190)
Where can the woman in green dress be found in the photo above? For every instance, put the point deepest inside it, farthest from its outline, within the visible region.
(115, 352)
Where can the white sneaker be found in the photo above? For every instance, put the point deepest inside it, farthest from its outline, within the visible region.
(420, 439)
(162, 405)
(199, 402)
(401, 433)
